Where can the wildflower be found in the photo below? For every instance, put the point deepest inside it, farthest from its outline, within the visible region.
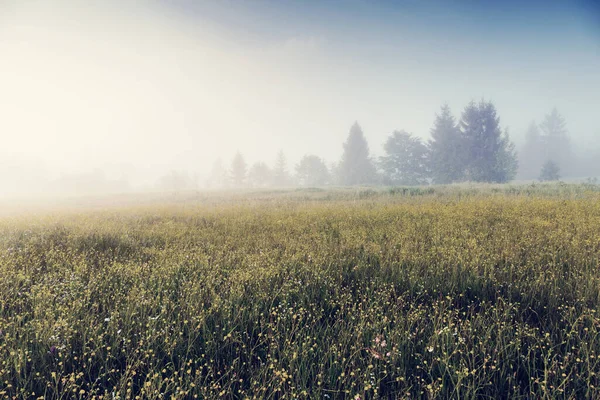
(374, 353)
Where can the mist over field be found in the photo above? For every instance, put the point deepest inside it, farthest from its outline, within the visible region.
(281, 199)
(118, 96)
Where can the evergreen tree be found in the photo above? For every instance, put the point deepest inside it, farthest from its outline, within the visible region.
(446, 160)
(531, 156)
(334, 173)
(259, 175)
(281, 177)
(218, 175)
(356, 167)
(175, 181)
(312, 171)
(550, 171)
(507, 161)
(238, 170)
(489, 154)
(405, 162)
(557, 144)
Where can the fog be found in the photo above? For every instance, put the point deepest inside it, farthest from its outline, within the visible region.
(119, 94)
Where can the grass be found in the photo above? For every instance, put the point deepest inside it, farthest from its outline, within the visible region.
(444, 292)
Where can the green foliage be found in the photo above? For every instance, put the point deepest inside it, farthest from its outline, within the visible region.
(356, 167)
(470, 291)
(507, 163)
(531, 155)
(489, 154)
(550, 171)
(556, 141)
(259, 175)
(405, 160)
(312, 171)
(446, 158)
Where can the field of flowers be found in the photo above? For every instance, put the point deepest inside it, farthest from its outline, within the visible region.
(463, 293)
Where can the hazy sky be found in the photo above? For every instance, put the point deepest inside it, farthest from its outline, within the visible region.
(137, 88)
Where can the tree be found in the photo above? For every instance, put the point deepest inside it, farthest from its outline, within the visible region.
(507, 163)
(218, 175)
(334, 173)
(175, 181)
(405, 162)
(557, 144)
(356, 167)
(281, 177)
(550, 171)
(489, 154)
(238, 170)
(259, 175)
(312, 171)
(446, 160)
(531, 156)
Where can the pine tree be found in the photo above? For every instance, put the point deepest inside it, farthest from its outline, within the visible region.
(507, 163)
(281, 176)
(312, 171)
(550, 171)
(238, 170)
(557, 144)
(405, 160)
(531, 155)
(445, 149)
(259, 175)
(218, 175)
(356, 167)
(489, 154)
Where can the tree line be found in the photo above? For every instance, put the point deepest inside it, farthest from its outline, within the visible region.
(473, 148)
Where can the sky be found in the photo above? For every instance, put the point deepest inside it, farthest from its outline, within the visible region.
(135, 89)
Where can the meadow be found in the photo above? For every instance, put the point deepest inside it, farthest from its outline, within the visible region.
(471, 292)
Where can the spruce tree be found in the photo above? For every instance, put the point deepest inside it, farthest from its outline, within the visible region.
(259, 175)
(356, 167)
(405, 160)
(238, 170)
(445, 149)
(550, 171)
(489, 154)
(312, 171)
(556, 141)
(281, 175)
(531, 155)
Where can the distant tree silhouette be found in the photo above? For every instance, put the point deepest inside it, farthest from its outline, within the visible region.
(218, 175)
(446, 152)
(312, 171)
(281, 176)
(550, 171)
(238, 170)
(556, 141)
(356, 167)
(175, 181)
(531, 156)
(405, 160)
(489, 154)
(259, 175)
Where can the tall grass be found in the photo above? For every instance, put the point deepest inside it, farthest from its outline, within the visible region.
(449, 292)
